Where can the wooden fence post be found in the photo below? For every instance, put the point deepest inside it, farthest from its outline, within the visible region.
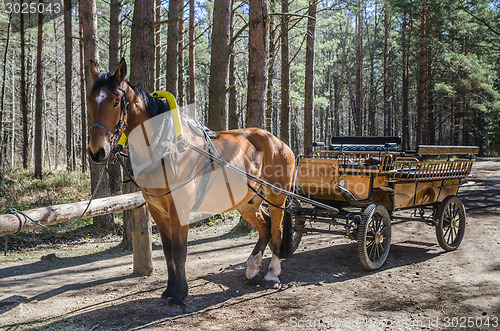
(141, 241)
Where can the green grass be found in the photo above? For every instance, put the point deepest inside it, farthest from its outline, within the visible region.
(24, 191)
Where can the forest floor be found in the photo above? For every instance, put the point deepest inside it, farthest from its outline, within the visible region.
(88, 285)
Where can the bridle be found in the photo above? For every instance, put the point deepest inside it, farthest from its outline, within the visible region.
(120, 126)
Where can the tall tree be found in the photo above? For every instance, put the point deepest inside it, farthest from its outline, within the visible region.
(285, 75)
(23, 102)
(309, 77)
(157, 47)
(39, 99)
(83, 110)
(217, 110)
(422, 76)
(89, 29)
(257, 55)
(180, 81)
(358, 111)
(2, 104)
(387, 106)
(115, 33)
(174, 8)
(405, 87)
(115, 37)
(68, 74)
(232, 118)
(192, 95)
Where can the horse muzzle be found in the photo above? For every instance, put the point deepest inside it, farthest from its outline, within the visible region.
(99, 157)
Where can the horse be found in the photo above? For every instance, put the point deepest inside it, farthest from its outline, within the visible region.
(261, 154)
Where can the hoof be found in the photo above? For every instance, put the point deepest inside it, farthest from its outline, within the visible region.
(168, 293)
(276, 285)
(177, 301)
(255, 280)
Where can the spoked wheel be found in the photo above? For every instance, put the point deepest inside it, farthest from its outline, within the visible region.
(293, 228)
(374, 236)
(450, 223)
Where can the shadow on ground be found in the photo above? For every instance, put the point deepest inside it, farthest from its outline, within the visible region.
(334, 264)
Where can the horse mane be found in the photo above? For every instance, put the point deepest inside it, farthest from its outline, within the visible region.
(154, 106)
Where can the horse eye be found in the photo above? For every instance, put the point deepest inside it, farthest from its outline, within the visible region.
(117, 102)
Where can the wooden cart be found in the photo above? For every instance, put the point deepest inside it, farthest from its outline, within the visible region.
(371, 181)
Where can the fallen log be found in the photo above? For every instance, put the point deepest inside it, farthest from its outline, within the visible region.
(10, 224)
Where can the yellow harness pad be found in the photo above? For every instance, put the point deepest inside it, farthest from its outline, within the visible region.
(173, 109)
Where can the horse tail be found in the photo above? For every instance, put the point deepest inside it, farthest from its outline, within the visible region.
(286, 248)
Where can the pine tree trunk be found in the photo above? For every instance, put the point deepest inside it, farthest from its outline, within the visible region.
(285, 75)
(358, 111)
(2, 109)
(422, 79)
(465, 120)
(115, 37)
(180, 81)
(431, 129)
(217, 110)
(68, 74)
(23, 102)
(309, 78)
(82, 95)
(174, 8)
(232, 118)
(157, 85)
(405, 92)
(257, 56)
(270, 75)
(387, 106)
(192, 93)
(89, 29)
(39, 98)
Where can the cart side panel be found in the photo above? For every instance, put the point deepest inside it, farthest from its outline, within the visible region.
(318, 178)
(410, 194)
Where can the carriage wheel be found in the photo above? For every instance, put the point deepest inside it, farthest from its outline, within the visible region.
(374, 236)
(450, 223)
(293, 228)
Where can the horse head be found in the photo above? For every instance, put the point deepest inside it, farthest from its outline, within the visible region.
(107, 105)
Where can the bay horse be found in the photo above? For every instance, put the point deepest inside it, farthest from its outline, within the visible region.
(261, 153)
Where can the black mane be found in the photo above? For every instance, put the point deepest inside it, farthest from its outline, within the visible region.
(154, 106)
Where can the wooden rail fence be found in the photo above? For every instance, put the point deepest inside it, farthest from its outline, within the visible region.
(141, 225)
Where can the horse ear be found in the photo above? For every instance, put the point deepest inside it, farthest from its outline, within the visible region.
(121, 71)
(94, 72)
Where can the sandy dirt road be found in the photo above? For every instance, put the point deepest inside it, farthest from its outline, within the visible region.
(89, 285)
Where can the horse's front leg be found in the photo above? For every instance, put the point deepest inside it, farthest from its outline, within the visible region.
(179, 253)
(166, 239)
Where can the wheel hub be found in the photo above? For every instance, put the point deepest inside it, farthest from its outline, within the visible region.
(453, 223)
(378, 237)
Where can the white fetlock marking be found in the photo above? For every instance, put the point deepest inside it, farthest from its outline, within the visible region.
(253, 265)
(274, 270)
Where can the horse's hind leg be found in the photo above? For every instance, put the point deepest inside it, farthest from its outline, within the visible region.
(252, 213)
(276, 237)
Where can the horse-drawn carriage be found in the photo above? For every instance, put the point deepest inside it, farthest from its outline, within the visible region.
(358, 183)
(372, 183)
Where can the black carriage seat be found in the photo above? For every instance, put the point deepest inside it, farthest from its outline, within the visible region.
(362, 144)
(363, 148)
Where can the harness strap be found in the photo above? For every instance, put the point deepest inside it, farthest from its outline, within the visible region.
(102, 127)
